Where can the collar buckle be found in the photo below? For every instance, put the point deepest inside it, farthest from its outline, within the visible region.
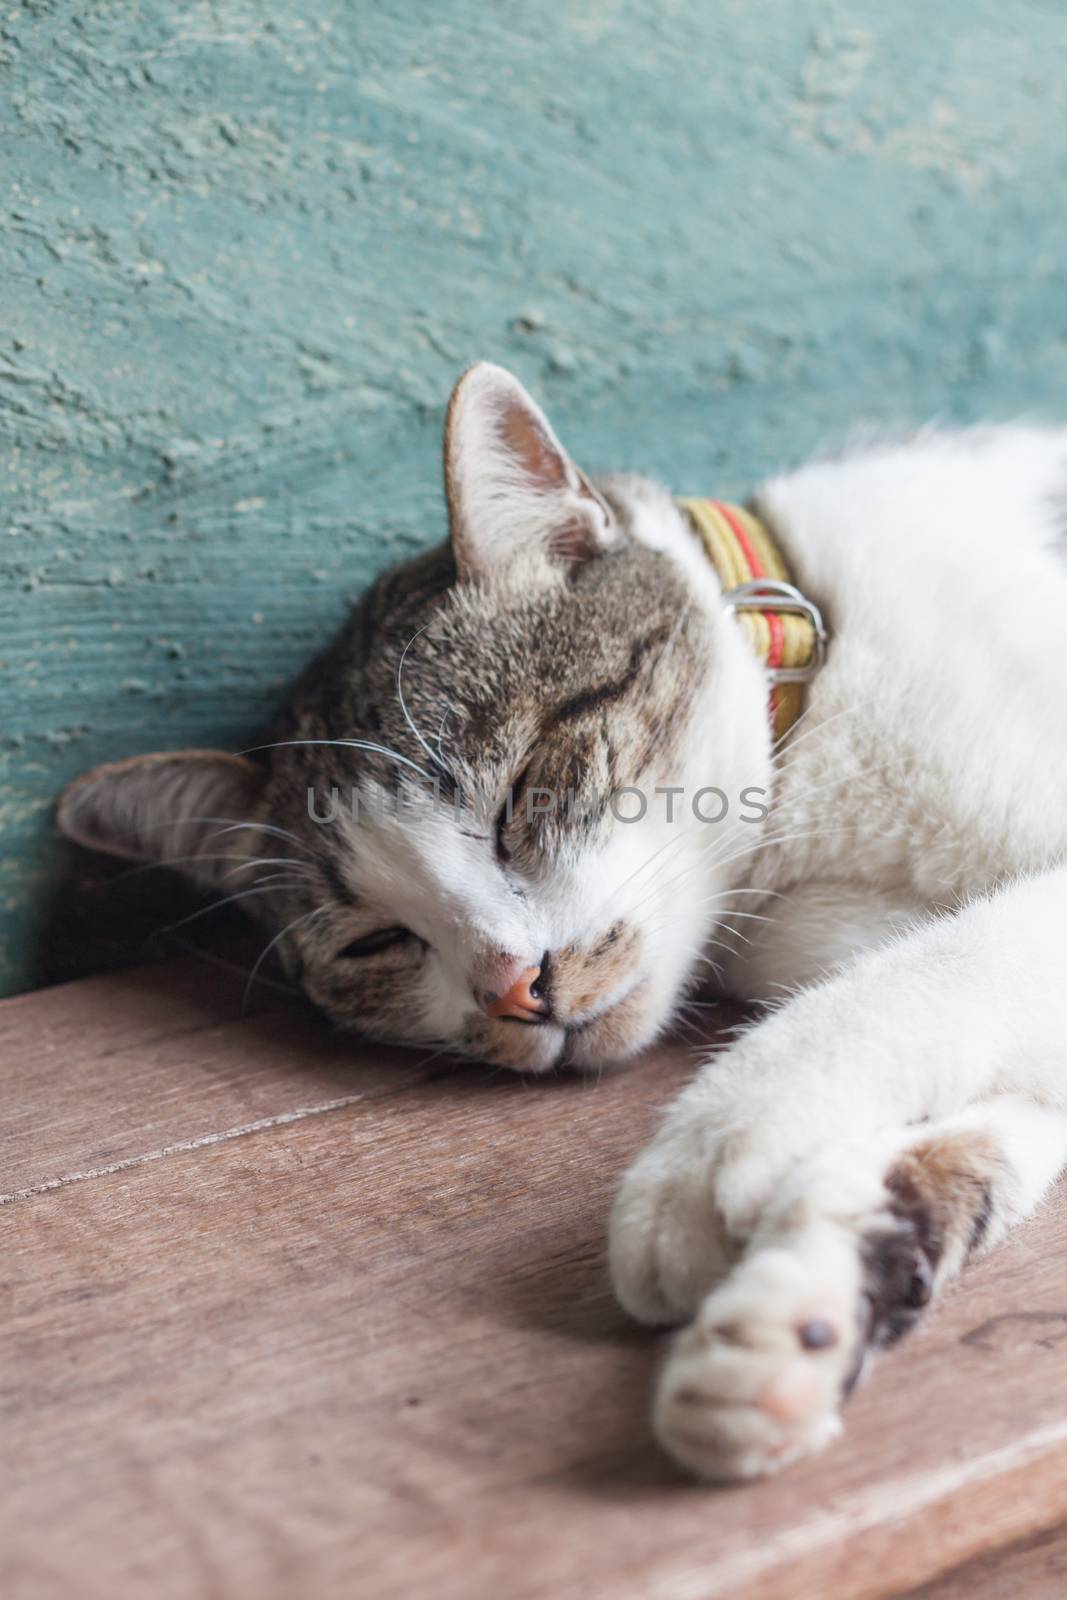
(770, 594)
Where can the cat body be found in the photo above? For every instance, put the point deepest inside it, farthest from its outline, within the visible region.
(435, 842)
(913, 783)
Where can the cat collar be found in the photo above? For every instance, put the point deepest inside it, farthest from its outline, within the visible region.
(784, 627)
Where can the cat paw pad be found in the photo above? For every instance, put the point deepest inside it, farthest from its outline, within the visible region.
(757, 1380)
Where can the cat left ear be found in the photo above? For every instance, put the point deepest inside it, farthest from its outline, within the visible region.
(189, 808)
(516, 501)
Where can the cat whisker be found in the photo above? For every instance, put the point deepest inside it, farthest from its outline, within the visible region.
(298, 866)
(766, 843)
(346, 744)
(599, 909)
(765, 840)
(686, 1026)
(262, 827)
(858, 779)
(306, 916)
(658, 887)
(427, 1061)
(267, 886)
(211, 960)
(435, 756)
(709, 961)
(726, 914)
(266, 861)
(176, 861)
(227, 825)
(793, 743)
(770, 894)
(441, 731)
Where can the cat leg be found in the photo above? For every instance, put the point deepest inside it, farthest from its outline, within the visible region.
(841, 1265)
(956, 1010)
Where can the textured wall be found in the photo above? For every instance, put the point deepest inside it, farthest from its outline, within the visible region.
(248, 245)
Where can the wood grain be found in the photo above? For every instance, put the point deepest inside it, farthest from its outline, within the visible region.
(372, 1351)
(98, 1074)
(1036, 1569)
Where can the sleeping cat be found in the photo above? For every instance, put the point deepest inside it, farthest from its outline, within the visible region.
(437, 843)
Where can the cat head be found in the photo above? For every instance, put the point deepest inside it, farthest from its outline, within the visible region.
(459, 835)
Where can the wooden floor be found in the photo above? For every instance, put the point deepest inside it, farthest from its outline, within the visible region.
(283, 1319)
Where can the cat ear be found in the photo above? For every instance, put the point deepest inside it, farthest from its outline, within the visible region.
(166, 808)
(516, 501)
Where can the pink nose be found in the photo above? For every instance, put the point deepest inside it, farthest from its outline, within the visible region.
(524, 1000)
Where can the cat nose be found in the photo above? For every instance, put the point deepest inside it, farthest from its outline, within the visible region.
(525, 999)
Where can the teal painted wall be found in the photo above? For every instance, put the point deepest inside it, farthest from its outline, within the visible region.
(248, 244)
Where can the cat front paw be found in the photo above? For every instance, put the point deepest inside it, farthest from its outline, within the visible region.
(758, 1378)
(668, 1242)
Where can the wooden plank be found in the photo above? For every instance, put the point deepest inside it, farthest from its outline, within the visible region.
(373, 1352)
(1033, 1570)
(107, 1071)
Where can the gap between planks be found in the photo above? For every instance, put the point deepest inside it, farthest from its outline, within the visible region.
(184, 1146)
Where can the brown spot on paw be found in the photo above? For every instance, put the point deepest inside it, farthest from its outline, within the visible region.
(940, 1203)
(898, 1275)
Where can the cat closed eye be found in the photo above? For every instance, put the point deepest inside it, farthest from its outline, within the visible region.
(503, 854)
(372, 943)
(507, 811)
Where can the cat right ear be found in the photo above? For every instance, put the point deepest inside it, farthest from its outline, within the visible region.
(172, 808)
(518, 506)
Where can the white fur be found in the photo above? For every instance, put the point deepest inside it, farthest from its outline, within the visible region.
(923, 793)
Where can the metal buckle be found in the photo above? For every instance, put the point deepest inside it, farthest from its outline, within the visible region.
(769, 594)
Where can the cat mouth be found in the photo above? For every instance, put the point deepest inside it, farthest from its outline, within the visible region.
(610, 1035)
(623, 1024)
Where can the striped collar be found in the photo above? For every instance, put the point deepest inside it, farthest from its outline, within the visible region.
(784, 628)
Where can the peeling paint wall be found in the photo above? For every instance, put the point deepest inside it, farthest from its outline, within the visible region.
(248, 244)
